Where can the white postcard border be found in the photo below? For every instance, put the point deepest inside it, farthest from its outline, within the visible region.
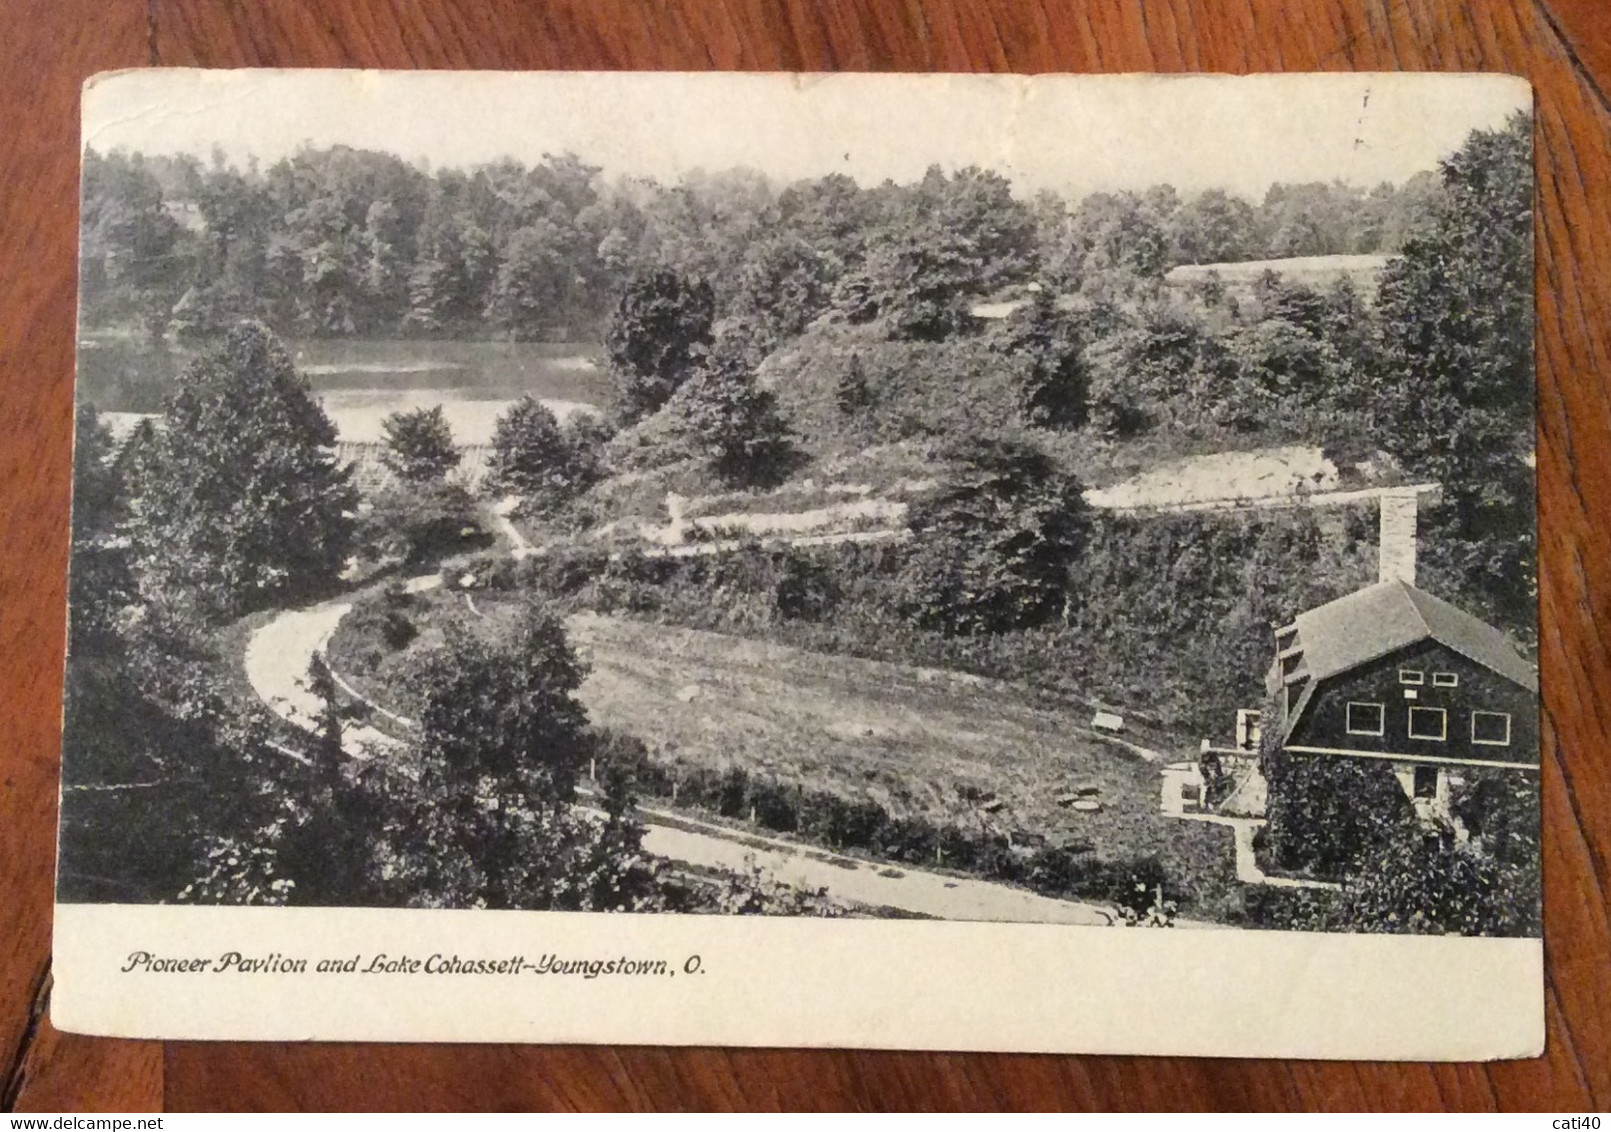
(769, 981)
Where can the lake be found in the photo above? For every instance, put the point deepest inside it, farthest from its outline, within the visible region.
(361, 382)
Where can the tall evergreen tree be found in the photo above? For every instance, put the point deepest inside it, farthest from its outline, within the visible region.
(733, 422)
(238, 499)
(994, 543)
(1047, 348)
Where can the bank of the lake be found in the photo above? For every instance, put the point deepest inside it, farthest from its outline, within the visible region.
(361, 382)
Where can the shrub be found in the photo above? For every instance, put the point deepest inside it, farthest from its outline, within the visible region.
(419, 445)
(532, 457)
(994, 543)
(805, 590)
(397, 630)
(420, 523)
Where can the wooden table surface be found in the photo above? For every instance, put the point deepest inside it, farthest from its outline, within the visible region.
(49, 46)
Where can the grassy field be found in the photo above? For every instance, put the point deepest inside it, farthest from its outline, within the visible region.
(945, 748)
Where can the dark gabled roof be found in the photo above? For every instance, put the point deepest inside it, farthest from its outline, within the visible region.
(1386, 617)
(1382, 619)
(1473, 639)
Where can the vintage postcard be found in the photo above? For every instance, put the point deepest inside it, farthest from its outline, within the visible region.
(973, 562)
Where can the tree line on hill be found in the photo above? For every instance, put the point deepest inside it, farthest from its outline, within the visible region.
(339, 241)
(1406, 370)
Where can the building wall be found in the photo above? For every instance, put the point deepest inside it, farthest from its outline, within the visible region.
(1324, 724)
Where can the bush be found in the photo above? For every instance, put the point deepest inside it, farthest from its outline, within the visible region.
(419, 445)
(995, 542)
(806, 589)
(397, 630)
(1327, 812)
(532, 457)
(422, 523)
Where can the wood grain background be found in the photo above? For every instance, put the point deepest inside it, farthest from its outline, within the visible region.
(49, 46)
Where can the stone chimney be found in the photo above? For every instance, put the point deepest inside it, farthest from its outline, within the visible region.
(1396, 553)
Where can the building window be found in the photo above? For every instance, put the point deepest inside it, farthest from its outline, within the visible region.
(1426, 782)
(1490, 728)
(1445, 680)
(1248, 733)
(1429, 723)
(1365, 719)
(1411, 676)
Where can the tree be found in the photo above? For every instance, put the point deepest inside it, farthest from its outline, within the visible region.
(130, 243)
(1454, 385)
(1213, 227)
(1287, 365)
(148, 730)
(978, 206)
(1310, 219)
(921, 281)
(1474, 871)
(237, 501)
(321, 257)
(1048, 351)
(528, 289)
(99, 580)
(1500, 812)
(1159, 359)
(327, 850)
(385, 266)
(658, 339)
(448, 283)
(852, 393)
(419, 445)
(503, 743)
(586, 436)
(531, 456)
(723, 415)
(942, 243)
(1115, 235)
(783, 283)
(996, 540)
(1424, 882)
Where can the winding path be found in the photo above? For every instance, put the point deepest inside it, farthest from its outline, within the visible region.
(277, 658)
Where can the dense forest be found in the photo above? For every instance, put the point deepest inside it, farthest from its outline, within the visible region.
(338, 241)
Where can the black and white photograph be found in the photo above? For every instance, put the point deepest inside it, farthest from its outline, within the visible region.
(1078, 502)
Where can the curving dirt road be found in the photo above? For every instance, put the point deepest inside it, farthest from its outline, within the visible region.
(277, 658)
